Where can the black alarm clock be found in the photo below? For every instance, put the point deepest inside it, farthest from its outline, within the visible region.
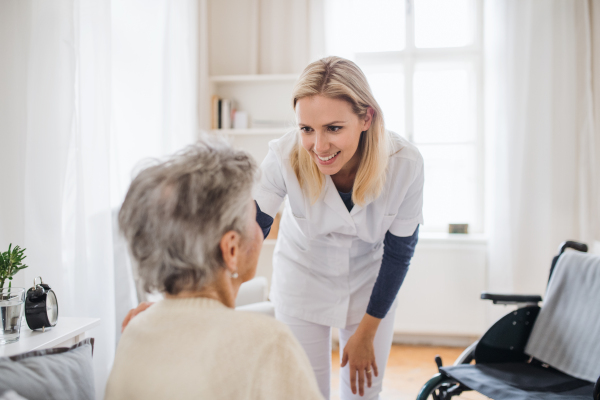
(41, 307)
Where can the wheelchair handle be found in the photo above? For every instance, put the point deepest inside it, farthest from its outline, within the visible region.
(569, 244)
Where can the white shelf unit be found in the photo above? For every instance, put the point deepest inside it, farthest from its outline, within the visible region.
(254, 56)
(264, 99)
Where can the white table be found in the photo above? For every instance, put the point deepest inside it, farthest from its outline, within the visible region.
(67, 332)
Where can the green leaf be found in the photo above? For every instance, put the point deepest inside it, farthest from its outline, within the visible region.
(11, 262)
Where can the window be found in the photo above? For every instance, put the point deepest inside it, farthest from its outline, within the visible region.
(423, 61)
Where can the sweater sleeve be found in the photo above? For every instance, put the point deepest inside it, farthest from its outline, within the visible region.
(397, 253)
(284, 371)
(264, 220)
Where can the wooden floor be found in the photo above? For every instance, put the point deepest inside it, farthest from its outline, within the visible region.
(409, 367)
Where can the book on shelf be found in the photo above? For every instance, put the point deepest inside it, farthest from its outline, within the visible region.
(222, 113)
(214, 112)
(225, 114)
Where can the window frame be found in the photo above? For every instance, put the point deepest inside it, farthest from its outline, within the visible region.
(412, 55)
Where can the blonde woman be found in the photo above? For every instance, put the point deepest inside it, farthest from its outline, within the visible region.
(350, 225)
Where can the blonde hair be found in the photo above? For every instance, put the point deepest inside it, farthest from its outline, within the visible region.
(338, 78)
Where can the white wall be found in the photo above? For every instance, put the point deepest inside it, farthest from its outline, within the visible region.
(440, 295)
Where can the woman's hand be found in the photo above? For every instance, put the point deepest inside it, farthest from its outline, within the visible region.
(135, 311)
(360, 353)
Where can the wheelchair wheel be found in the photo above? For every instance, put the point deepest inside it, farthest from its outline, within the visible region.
(440, 387)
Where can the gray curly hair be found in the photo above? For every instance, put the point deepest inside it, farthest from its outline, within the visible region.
(176, 212)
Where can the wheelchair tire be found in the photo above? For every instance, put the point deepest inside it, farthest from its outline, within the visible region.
(437, 388)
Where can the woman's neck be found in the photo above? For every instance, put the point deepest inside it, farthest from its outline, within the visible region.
(343, 184)
(223, 289)
(344, 178)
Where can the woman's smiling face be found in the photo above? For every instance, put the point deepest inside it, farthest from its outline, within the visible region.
(330, 132)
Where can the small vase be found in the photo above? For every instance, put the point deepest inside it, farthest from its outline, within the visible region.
(11, 312)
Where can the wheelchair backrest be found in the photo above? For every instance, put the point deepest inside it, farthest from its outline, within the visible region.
(567, 330)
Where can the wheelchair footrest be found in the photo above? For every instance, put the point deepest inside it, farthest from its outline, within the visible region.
(520, 381)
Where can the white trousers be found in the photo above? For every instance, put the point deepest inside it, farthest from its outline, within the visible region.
(316, 341)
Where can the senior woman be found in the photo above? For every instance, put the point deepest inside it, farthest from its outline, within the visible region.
(190, 223)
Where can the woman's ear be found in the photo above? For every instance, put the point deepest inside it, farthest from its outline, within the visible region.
(230, 250)
(368, 120)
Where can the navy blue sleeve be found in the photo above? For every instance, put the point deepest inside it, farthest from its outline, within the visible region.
(397, 253)
(264, 220)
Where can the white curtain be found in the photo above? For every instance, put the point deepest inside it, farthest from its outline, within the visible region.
(154, 82)
(543, 140)
(60, 75)
(87, 89)
(154, 102)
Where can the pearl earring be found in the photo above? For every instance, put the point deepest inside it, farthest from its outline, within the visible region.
(234, 275)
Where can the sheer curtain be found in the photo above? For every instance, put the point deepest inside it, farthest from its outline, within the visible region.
(62, 120)
(154, 102)
(543, 137)
(87, 88)
(154, 82)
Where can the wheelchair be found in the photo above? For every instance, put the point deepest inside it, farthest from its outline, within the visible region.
(497, 365)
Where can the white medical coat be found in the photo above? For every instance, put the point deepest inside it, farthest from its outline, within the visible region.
(327, 259)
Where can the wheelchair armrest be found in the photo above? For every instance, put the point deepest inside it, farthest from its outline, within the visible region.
(511, 298)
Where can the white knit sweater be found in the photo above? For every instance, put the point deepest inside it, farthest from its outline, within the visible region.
(199, 349)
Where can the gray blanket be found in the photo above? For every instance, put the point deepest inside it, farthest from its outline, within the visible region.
(566, 334)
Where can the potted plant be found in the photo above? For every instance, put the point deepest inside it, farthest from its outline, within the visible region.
(11, 262)
(11, 299)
